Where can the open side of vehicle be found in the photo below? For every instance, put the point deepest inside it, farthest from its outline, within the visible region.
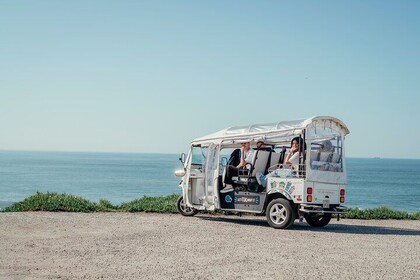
(313, 189)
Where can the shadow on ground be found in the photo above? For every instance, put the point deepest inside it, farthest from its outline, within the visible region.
(339, 227)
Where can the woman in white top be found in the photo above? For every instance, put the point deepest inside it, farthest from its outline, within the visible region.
(291, 158)
(293, 155)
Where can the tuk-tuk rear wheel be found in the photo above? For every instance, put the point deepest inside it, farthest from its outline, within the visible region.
(184, 209)
(318, 220)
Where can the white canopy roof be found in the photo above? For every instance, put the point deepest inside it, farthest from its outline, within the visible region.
(270, 130)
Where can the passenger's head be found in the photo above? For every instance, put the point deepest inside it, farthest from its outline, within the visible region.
(295, 142)
(260, 143)
(327, 146)
(246, 145)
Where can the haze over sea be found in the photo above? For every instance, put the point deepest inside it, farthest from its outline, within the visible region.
(121, 177)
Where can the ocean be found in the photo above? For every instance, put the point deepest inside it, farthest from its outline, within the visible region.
(121, 177)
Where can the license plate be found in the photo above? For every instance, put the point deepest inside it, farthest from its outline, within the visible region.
(326, 203)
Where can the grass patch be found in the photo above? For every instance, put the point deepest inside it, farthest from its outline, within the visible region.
(106, 206)
(54, 202)
(380, 213)
(161, 204)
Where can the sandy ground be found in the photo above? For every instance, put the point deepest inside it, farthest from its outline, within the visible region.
(44, 245)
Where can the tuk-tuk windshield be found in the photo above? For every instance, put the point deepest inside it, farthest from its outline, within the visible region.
(198, 155)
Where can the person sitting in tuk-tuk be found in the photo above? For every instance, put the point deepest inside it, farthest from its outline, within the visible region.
(246, 158)
(291, 158)
(293, 155)
(262, 146)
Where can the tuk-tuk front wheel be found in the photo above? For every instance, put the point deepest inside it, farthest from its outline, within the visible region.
(280, 214)
(184, 209)
(318, 220)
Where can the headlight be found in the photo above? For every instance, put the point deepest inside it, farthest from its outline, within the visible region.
(180, 172)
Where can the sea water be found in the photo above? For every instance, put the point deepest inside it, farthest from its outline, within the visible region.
(121, 177)
(374, 182)
(117, 177)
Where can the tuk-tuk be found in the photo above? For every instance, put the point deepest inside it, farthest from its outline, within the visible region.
(312, 188)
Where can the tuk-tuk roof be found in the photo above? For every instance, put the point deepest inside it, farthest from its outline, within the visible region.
(260, 131)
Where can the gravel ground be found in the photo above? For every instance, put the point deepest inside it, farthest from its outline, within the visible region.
(42, 245)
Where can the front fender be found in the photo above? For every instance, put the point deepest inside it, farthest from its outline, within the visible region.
(282, 192)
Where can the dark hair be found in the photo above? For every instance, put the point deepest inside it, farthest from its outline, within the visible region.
(302, 144)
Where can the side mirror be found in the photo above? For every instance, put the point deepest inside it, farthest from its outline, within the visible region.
(182, 158)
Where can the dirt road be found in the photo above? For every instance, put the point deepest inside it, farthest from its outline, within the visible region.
(42, 245)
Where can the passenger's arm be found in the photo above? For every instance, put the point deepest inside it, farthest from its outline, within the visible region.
(287, 159)
(243, 162)
(293, 152)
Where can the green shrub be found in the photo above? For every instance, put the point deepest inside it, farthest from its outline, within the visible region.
(105, 205)
(52, 202)
(380, 213)
(415, 216)
(161, 204)
(69, 203)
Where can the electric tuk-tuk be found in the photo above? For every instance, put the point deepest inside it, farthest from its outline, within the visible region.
(312, 189)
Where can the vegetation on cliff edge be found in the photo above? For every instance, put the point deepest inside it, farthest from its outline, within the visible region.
(54, 202)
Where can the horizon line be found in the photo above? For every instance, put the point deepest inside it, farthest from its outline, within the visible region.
(164, 153)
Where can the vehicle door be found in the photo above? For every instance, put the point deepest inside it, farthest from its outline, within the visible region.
(195, 175)
(211, 173)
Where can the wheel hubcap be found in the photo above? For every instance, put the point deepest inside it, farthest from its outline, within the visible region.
(184, 208)
(278, 214)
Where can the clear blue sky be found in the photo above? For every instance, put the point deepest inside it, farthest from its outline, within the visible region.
(149, 76)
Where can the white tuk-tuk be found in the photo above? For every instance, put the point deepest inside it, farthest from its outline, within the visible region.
(313, 188)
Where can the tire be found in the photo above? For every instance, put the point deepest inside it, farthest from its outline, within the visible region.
(318, 220)
(280, 214)
(183, 209)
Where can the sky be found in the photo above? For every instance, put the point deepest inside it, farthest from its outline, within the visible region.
(150, 76)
